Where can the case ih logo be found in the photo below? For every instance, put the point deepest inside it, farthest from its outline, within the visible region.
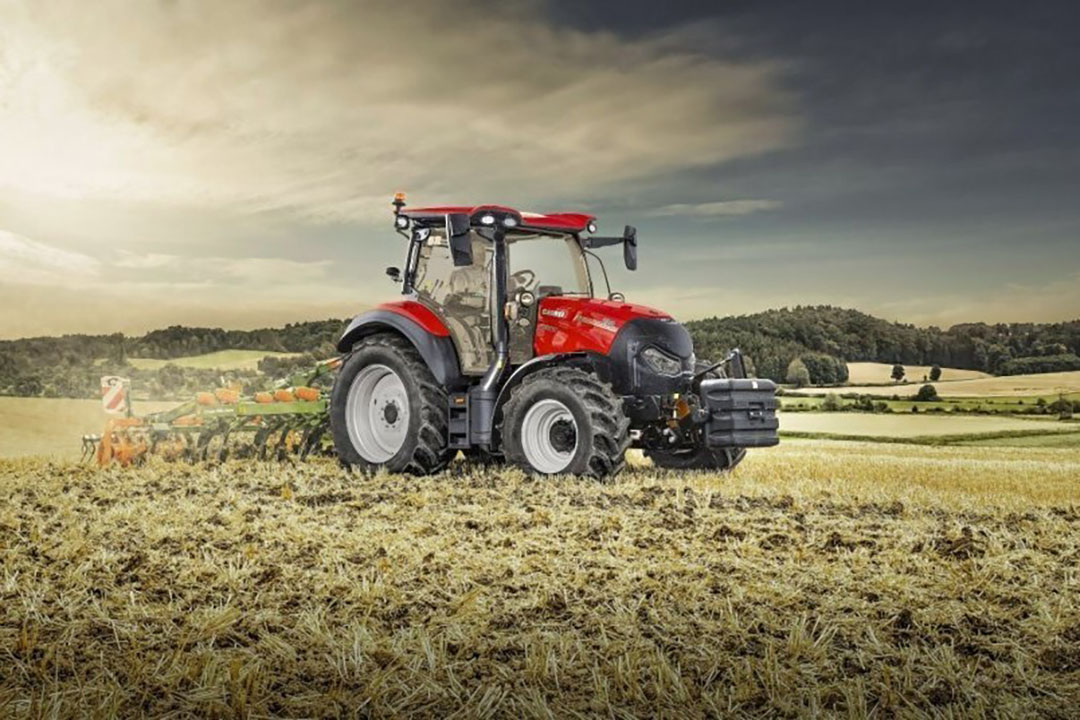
(554, 313)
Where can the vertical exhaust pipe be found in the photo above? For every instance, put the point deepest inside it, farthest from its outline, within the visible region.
(482, 397)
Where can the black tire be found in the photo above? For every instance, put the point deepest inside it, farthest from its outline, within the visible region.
(699, 458)
(603, 430)
(424, 450)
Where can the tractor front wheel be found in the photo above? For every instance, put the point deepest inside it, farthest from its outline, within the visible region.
(388, 411)
(565, 420)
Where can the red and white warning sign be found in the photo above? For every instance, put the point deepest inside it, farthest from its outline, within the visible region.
(114, 394)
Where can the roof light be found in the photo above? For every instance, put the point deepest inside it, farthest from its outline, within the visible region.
(401, 222)
(399, 196)
(510, 221)
(591, 227)
(488, 219)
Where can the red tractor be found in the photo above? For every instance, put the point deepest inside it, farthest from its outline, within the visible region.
(502, 349)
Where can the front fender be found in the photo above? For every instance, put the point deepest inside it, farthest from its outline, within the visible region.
(437, 351)
(593, 361)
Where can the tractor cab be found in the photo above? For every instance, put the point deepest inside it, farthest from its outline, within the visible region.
(543, 256)
(461, 293)
(506, 345)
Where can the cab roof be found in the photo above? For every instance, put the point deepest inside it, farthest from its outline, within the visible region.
(572, 222)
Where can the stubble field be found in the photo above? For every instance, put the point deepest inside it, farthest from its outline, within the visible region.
(836, 579)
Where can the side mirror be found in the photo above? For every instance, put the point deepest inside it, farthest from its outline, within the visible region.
(394, 273)
(630, 247)
(457, 234)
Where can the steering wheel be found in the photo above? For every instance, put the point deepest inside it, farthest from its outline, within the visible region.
(522, 279)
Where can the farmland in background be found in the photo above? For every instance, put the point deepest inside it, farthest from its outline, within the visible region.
(906, 425)
(820, 578)
(1046, 385)
(871, 373)
(53, 426)
(220, 360)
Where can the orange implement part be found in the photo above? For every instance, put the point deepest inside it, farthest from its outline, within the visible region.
(123, 441)
(188, 421)
(284, 396)
(307, 393)
(227, 396)
(205, 398)
(264, 397)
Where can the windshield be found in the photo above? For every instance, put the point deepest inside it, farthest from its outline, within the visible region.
(547, 265)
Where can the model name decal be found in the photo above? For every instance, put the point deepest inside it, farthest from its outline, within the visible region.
(603, 323)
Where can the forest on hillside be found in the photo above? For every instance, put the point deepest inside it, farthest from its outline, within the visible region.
(823, 337)
(776, 337)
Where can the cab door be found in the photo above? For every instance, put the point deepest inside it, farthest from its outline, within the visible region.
(461, 297)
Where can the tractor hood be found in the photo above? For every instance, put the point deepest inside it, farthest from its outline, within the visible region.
(573, 324)
(628, 335)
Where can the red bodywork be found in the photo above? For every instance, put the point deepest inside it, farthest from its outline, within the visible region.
(571, 324)
(559, 222)
(418, 313)
(563, 324)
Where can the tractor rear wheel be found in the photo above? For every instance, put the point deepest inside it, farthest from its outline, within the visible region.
(565, 420)
(387, 410)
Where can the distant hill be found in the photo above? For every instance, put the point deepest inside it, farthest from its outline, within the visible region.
(824, 337)
(775, 337)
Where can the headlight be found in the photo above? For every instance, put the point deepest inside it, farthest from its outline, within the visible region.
(526, 298)
(661, 362)
(401, 222)
(591, 227)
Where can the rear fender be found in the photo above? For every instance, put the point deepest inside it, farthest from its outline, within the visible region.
(436, 350)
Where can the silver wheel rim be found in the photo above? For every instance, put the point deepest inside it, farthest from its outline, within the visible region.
(377, 413)
(542, 452)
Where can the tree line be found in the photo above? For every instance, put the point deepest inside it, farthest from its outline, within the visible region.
(72, 365)
(774, 338)
(822, 338)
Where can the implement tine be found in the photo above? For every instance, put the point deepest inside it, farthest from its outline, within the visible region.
(262, 438)
(282, 447)
(89, 447)
(312, 439)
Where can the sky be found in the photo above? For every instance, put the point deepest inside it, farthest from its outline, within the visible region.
(231, 164)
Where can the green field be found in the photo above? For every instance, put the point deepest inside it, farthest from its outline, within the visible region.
(796, 403)
(220, 360)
